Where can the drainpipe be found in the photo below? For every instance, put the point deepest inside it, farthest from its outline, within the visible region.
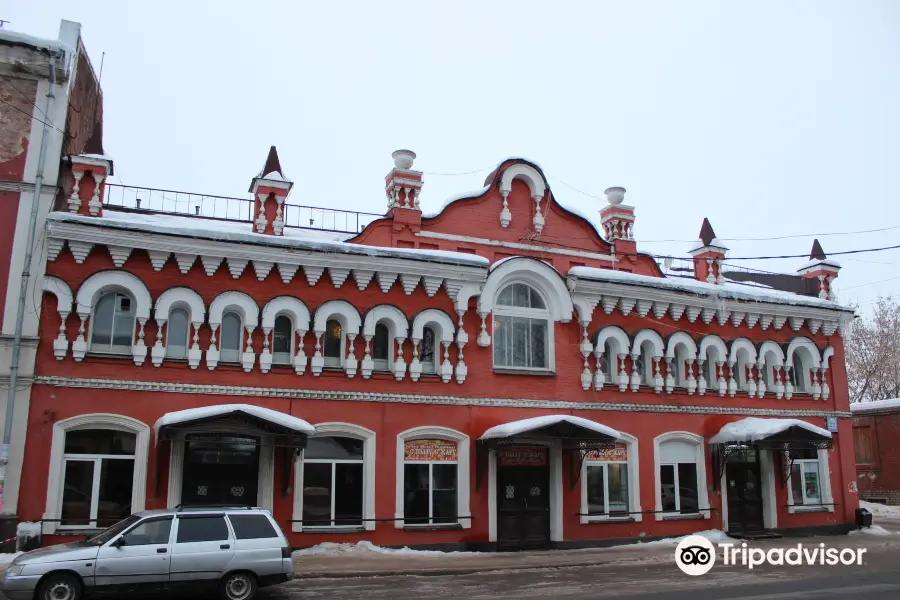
(26, 275)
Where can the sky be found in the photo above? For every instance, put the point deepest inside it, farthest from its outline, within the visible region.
(771, 119)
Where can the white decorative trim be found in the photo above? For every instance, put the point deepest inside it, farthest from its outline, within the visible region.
(275, 392)
(514, 245)
(538, 274)
(103, 281)
(296, 310)
(94, 421)
(699, 459)
(462, 474)
(634, 484)
(188, 299)
(398, 329)
(370, 453)
(64, 301)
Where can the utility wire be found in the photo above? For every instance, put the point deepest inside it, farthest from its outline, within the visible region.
(47, 123)
(24, 95)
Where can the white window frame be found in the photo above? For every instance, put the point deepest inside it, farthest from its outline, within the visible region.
(338, 429)
(56, 474)
(240, 350)
(284, 361)
(97, 461)
(543, 314)
(826, 498)
(329, 361)
(187, 337)
(110, 348)
(462, 475)
(634, 485)
(700, 462)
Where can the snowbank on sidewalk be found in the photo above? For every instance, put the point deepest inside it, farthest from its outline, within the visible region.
(876, 530)
(881, 510)
(713, 535)
(364, 547)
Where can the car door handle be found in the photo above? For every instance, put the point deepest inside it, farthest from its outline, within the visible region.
(224, 546)
(161, 550)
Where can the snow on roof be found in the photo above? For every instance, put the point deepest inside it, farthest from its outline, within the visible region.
(205, 412)
(752, 429)
(450, 200)
(713, 243)
(726, 291)
(525, 425)
(828, 262)
(875, 405)
(241, 231)
(23, 39)
(276, 176)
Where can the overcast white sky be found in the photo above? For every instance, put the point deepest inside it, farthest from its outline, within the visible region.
(770, 118)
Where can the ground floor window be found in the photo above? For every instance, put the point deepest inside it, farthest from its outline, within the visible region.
(333, 482)
(430, 482)
(805, 481)
(679, 487)
(98, 476)
(606, 481)
(679, 477)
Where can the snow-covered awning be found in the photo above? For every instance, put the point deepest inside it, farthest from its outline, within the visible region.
(771, 433)
(570, 429)
(235, 419)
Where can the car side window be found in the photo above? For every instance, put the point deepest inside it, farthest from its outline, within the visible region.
(210, 528)
(151, 531)
(252, 527)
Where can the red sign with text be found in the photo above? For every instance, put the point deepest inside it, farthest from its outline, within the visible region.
(617, 454)
(429, 450)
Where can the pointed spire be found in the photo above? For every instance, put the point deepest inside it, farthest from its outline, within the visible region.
(272, 164)
(707, 235)
(817, 253)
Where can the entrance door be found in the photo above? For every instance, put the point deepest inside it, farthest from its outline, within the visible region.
(220, 470)
(523, 498)
(743, 486)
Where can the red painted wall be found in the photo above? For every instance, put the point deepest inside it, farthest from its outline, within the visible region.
(880, 479)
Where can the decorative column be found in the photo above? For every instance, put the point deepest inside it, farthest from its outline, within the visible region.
(761, 381)
(657, 376)
(670, 377)
(318, 361)
(415, 367)
(599, 375)
(350, 362)
(265, 357)
(212, 354)
(732, 382)
(400, 364)
(691, 380)
(368, 365)
(484, 339)
(701, 383)
(623, 376)
(194, 352)
(61, 344)
(586, 349)
(461, 339)
(98, 167)
(300, 359)
(158, 353)
(720, 369)
(446, 367)
(505, 214)
(139, 349)
(249, 357)
(74, 201)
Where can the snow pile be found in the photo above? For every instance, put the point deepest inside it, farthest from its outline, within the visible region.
(874, 530)
(526, 425)
(726, 291)
(25, 531)
(205, 412)
(752, 429)
(881, 510)
(23, 39)
(365, 547)
(713, 535)
(874, 405)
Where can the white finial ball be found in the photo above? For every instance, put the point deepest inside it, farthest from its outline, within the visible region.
(403, 159)
(615, 195)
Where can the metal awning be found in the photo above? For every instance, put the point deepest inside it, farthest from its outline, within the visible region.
(573, 432)
(772, 434)
(236, 419)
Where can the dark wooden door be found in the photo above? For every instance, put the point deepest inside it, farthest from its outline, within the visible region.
(220, 470)
(745, 509)
(523, 507)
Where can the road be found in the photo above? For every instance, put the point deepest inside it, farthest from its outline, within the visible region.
(878, 577)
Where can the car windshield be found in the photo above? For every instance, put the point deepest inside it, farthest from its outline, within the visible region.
(105, 536)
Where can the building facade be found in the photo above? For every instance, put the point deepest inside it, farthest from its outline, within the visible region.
(50, 109)
(876, 440)
(502, 374)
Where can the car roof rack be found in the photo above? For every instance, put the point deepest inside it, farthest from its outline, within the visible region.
(182, 507)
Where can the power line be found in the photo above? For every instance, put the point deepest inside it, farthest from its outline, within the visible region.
(24, 95)
(13, 106)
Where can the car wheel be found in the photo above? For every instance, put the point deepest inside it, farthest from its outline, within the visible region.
(237, 586)
(59, 587)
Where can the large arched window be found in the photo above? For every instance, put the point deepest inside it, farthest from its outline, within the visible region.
(231, 338)
(381, 348)
(333, 343)
(112, 324)
(177, 334)
(282, 340)
(522, 329)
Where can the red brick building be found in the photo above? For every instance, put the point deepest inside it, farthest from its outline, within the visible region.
(876, 440)
(501, 374)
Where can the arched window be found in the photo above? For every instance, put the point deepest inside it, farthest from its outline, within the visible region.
(381, 348)
(177, 334)
(680, 366)
(112, 324)
(799, 374)
(645, 365)
(97, 473)
(334, 342)
(231, 338)
(333, 490)
(609, 363)
(426, 351)
(521, 329)
(282, 340)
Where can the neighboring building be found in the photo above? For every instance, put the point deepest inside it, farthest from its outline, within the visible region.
(876, 440)
(501, 374)
(33, 122)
